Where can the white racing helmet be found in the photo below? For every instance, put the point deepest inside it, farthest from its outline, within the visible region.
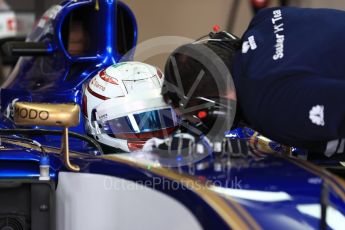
(123, 106)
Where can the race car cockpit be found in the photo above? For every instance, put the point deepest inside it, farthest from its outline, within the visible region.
(182, 182)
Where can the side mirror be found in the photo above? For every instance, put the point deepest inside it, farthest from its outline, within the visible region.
(6, 59)
(44, 114)
(17, 49)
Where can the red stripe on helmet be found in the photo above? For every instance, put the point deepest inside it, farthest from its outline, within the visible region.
(107, 78)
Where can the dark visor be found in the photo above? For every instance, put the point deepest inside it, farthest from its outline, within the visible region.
(145, 122)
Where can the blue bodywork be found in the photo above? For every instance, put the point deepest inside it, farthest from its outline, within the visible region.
(272, 191)
(59, 77)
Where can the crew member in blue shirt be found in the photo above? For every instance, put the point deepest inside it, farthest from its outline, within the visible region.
(289, 74)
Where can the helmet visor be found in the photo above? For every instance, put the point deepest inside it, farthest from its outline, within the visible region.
(144, 125)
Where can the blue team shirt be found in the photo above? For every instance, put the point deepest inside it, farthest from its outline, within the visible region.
(290, 77)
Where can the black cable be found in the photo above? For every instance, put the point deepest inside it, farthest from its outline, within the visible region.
(40, 132)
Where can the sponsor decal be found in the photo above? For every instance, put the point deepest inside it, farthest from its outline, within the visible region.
(278, 28)
(103, 116)
(96, 94)
(250, 44)
(32, 114)
(95, 83)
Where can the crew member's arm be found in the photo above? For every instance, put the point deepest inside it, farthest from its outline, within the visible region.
(302, 111)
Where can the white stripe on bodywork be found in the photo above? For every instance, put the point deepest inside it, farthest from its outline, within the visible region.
(92, 201)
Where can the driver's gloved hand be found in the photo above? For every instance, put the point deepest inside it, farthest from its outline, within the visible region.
(152, 144)
(178, 142)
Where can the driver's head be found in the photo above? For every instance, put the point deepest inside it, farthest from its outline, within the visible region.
(198, 70)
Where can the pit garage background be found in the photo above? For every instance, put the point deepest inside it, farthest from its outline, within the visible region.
(186, 18)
